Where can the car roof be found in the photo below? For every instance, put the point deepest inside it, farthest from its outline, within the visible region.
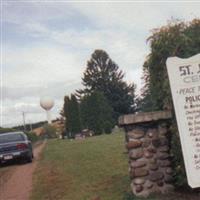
(11, 133)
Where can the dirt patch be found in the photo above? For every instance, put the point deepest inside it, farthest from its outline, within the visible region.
(17, 183)
(47, 177)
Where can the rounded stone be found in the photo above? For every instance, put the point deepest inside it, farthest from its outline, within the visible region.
(164, 148)
(139, 181)
(146, 143)
(164, 141)
(169, 171)
(156, 143)
(136, 133)
(153, 167)
(148, 184)
(136, 153)
(139, 188)
(165, 163)
(133, 144)
(160, 183)
(148, 154)
(140, 172)
(163, 156)
(168, 179)
(162, 130)
(155, 176)
(151, 150)
(152, 133)
(137, 164)
(152, 161)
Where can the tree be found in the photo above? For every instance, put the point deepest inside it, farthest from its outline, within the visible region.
(96, 113)
(175, 39)
(103, 75)
(50, 131)
(72, 115)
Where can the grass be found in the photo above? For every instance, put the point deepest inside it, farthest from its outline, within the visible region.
(91, 169)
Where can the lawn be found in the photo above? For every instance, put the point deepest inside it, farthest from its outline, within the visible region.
(92, 169)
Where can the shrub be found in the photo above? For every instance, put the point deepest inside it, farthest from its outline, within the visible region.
(5, 130)
(178, 162)
(50, 131)
(108, 127)
(33, 137)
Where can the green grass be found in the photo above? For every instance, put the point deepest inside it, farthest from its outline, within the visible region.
(95, 168)
(92, 169)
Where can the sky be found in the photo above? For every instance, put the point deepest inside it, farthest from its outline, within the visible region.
(45, 46)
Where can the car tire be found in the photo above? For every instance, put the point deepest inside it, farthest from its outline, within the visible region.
(29, 159)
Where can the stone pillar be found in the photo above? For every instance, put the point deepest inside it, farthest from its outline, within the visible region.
(148, 144)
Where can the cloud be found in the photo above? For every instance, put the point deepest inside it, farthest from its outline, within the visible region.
(39, 66)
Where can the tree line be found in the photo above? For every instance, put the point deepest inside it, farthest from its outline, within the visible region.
(104, 97)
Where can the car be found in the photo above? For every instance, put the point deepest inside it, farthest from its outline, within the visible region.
(15, 146)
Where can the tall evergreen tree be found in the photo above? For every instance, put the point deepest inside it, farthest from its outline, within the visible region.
(65, 113)
(72, 115)
(103, 75)
(96, 113)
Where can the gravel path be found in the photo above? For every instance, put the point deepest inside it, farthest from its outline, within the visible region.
(19, 185)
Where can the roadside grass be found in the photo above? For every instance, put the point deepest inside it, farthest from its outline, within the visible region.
(92, 169)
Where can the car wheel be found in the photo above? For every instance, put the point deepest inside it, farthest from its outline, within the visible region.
(29, 159)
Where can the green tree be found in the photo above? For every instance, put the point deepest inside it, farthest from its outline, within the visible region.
(72, 115)
(103, 75)
(175, 39)
(96, 113)
(6, 130)
(50, 131)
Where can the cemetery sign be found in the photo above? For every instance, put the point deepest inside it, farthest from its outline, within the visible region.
(184, 77)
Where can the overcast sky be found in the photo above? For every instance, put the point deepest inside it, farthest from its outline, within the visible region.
(45, 47)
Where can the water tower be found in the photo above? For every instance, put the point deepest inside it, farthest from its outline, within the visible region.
(47, 103)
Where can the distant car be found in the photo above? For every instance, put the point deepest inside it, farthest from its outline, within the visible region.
(15, 146)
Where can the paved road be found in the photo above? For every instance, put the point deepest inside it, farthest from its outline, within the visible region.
(19, 185)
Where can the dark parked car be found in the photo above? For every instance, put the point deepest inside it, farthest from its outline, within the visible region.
(14, 146)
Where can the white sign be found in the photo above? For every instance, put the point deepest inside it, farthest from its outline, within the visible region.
(184, 77)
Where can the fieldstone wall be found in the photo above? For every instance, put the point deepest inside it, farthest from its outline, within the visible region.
(148, 145)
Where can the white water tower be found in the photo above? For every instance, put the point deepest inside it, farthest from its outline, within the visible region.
(47, 103)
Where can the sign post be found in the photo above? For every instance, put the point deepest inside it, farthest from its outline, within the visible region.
(184, 77)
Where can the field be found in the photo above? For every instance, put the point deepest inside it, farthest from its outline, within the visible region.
(92, 169)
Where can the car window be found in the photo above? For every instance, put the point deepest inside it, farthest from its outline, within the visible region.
(11, 138)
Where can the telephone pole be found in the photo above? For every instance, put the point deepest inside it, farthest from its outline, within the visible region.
(24, 122)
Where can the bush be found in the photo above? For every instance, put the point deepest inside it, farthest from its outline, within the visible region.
(33, 137)
(178, 162)
(50, 131)
(6, 130)
(108, 127)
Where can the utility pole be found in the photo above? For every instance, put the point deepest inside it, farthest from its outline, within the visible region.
(24, 122)
(31, 128)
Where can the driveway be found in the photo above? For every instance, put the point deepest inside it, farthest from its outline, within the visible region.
(19, 184)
